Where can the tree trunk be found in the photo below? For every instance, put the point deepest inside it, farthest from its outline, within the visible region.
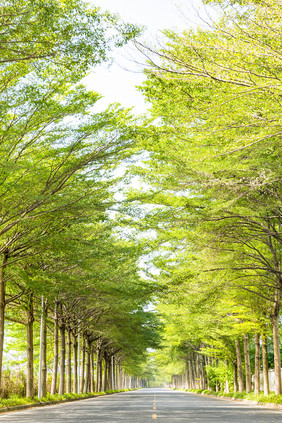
(199, 378)
(99, 368)
(235, 376)
(194, 375)
(62, 358)
(109, 374)
(120, 377)
(190, 373)
(257, 363)
(112, 373)
(87, 370)
(75, 364)
(247, 364)
(276, 347)
(2, 309)
(44, 352)
(92, 371)
(68, 387)
(216, 383)
(239, 366)
(201, 371)
(105, 384)
(82, 367)
(186, 374)
(29, 346)
(56, 351)
(206, 362)
(226, 387)
(265, 364)
(116, 376)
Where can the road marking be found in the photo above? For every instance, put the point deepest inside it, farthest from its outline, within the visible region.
(154, 416)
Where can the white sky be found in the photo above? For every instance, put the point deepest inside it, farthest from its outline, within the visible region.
(117, 82)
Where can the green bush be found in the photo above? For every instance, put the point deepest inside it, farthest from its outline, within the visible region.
(218, 375)
(13, 383)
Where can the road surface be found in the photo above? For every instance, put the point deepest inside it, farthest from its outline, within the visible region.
(147, 406)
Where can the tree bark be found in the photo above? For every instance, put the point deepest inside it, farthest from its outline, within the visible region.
(56, 351)
(115, 374)
(265, 364)
(113, 378)
(29, 346)
(276, 347)
(68, 387)
(82, 366)
(239, 366)
(190, 373)
(105, 383)
(257, 363)
(63, 357)
(201, 371)
(109, 374)
(216, 383)
(2, 309)
(44, 351)
(226, 387)
(120, 377)
(235, 376)
(198, 371)
(194, 374)
(75, 358)
(87, 370)
(247, 364)
(92, 371)
(99, 368)
(186, 374)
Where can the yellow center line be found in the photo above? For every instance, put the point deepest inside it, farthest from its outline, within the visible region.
(154, 416)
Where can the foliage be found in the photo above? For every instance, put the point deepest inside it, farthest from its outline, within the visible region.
(58, 177)
(213, 193)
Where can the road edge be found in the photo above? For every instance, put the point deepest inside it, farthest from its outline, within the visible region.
(46, 403)
(244, 401)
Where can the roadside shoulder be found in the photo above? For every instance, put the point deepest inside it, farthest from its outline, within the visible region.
(239, 400)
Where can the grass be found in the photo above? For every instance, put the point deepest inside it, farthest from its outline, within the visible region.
(15, 400)
(260, 398)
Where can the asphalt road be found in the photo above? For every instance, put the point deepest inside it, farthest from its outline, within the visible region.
(145, 406)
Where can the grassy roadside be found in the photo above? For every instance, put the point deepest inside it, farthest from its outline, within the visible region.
(16, 400)
(260, 398)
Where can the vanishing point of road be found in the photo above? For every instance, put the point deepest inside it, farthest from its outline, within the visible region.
(146, 406)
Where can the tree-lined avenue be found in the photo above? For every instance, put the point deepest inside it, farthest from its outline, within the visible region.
(108, 285)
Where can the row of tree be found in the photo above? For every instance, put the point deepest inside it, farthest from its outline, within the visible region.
(213, 174)
(62, 253)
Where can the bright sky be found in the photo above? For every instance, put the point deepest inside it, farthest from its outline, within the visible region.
(117, 82)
